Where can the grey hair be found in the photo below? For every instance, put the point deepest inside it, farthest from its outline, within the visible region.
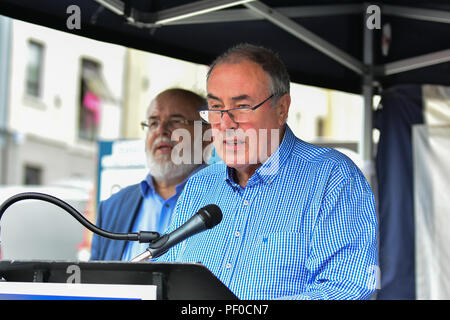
(268, 60)
(196, 99)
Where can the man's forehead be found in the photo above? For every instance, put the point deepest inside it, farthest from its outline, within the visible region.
(239, 80)
(171, 108)
(167, 111)
(244, 67)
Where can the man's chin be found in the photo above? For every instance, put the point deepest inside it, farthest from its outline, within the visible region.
(162, 159)
(240, 164)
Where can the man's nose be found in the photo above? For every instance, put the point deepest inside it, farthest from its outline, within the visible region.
(226, 122)
(163, 129)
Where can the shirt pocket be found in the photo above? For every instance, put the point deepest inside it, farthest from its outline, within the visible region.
(281, 260)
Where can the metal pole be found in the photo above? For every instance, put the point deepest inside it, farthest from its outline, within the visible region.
(366, 142)
(5, 54)
(307, 36)
(413, 63)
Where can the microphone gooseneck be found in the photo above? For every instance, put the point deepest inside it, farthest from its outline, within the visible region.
(143, 236)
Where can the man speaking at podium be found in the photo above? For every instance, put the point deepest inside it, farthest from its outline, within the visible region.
(299, 221)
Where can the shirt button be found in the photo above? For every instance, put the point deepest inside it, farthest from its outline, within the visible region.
(228, 266)
(245, 202)
(237, 234)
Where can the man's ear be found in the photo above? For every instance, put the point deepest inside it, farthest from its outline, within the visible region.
(283, 108)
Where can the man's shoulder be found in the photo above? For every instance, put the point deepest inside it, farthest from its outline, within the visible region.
(205, 177)
(312, 153)
(211, 170)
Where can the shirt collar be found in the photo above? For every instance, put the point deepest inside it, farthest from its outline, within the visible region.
(147, 185)
(270, 168)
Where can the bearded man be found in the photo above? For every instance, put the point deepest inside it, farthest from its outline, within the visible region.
(148, 205)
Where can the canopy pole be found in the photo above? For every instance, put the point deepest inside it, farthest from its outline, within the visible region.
(307, 36)
(366, 142)
(413, 63)
(5, 58)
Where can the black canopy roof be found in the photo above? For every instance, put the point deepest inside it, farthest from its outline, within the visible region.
(322, 42)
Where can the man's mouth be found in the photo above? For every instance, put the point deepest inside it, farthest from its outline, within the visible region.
(163, 147)
(233, 144)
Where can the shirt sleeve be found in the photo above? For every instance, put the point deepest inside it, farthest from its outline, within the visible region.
(342, 260)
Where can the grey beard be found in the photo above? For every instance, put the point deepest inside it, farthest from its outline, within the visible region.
(164, 170)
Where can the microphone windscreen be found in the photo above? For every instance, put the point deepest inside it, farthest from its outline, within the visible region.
(212, 215)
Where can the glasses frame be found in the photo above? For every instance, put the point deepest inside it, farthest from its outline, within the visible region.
(205, 110)
(145, 125)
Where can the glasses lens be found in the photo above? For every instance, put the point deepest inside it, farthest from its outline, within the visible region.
(209, 116)
(214, 117)
(240, 115)
(176, 123)
(204, 115)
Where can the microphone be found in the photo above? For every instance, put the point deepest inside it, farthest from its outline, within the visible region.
(205, 218)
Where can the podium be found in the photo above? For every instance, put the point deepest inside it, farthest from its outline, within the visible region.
(173, 281)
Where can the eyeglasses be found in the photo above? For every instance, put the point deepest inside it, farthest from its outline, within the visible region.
(171, 124)
(238, 115)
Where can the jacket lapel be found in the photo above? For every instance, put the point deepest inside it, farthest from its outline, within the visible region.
(129, 210)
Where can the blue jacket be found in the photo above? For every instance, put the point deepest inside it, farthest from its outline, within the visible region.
(116, 214)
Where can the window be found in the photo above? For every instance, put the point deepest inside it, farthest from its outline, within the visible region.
(33, 175)
(320, 127)
(89, 110)
(34, 69)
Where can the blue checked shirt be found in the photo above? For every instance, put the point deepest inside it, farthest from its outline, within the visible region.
(304, 227)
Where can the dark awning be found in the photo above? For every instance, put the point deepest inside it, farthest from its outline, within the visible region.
(322, 42)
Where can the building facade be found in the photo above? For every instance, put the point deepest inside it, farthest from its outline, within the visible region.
(60, 94)
(63, 93)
